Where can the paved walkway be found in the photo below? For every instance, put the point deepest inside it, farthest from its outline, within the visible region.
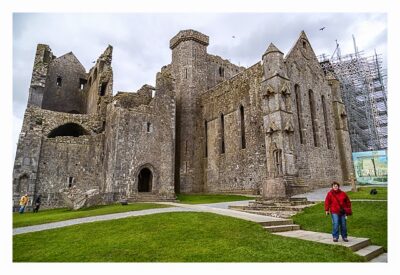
(220, 208)
(53, 225)
(320, 194)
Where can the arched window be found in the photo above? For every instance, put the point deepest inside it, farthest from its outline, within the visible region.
(242, 128)
(222, 134)
(327, 133)
(299, 112)
(69, 129)
(313, 122)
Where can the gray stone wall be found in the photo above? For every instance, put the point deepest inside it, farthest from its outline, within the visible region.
(317, 165)
(237, 170)
(219, 70)
(141, 137)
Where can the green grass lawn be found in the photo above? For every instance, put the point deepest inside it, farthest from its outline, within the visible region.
(171, 237)
(363, 193)
(210, 198)
(61, 214)
(369, 220)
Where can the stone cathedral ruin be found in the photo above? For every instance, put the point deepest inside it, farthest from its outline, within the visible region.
(276, 129)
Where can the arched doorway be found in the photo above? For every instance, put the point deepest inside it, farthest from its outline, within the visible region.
(145, 180)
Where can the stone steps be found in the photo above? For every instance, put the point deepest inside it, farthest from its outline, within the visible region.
(282, 228)
(148, 198)
(275, 214)
(361, 246)
(380, 259)
(370, 252)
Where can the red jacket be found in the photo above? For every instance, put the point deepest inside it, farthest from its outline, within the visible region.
(335, 200)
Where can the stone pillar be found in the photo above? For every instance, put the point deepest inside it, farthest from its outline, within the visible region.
(278, 125)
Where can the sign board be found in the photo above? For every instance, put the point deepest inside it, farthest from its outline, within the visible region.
(371, 167)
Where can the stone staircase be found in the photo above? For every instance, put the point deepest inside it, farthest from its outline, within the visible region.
(148, 197)
(361, 246)
(280, 208)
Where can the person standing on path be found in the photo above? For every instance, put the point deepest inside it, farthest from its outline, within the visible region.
(38, 202)
(23, 202)
(338, 204)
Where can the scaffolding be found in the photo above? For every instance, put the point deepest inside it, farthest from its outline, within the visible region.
(363, 86)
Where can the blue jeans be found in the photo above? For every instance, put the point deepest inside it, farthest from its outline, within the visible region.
(339, 220)
(22, 209)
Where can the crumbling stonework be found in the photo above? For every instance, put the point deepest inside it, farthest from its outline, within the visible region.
(276, 128)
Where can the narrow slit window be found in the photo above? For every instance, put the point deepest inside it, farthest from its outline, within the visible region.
(221, 71)
(59, 81)
(148, 127)
(103, 88)
(205, 139)
(82, 83)
(222, 135)
(242, 128)
(70, 181)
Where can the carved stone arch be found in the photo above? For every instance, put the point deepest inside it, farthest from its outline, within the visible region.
(68, 129)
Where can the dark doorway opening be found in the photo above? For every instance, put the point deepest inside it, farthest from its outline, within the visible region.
(145, 180)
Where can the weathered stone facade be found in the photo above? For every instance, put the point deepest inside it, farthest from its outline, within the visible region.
(276, 128)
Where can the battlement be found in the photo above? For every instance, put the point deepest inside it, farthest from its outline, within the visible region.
(186, 35)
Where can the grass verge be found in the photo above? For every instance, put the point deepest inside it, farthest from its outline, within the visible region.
(369, 220)
(171, 237)
(61, 214)
(210, 198)
(364, 193)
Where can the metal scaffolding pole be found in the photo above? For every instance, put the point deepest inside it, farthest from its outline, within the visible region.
(363, 85)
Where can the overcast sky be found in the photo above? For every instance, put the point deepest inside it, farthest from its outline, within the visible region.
(141, 41)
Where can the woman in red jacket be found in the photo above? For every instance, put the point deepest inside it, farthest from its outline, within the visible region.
(338, 204)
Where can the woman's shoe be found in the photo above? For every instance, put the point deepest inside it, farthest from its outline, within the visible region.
(345, 240)
(335, 240)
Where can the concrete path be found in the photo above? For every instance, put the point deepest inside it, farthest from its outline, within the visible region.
(320, 194)
(220, 208)
(53, 225)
